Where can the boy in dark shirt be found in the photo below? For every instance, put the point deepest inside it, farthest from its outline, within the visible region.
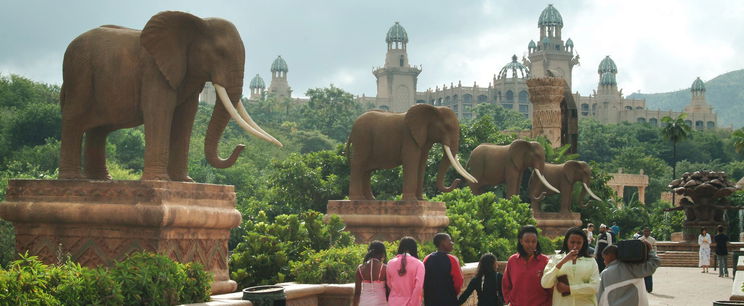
(443, 278)
(722, 252)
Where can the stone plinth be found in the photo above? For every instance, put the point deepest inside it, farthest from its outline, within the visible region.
(546, 95)
(555, 224)
(99, 222)
(372, 220)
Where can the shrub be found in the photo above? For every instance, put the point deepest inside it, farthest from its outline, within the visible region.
(25, 282)
(332, 266)
(150, 279)
(197, 287)
(72, 284)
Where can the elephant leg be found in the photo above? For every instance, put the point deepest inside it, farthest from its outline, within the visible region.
(512, 185)
(158, 105)
(69, 157)
(367, 188)
(410, 178)
(95, 154)
(357, 181)
(183, 123)
(420, 176)
(565, 200)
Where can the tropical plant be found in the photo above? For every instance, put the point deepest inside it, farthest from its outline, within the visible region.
(675, 130)
(738, 138)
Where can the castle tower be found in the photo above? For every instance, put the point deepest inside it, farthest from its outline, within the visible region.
(396, 80)
(551, 57)
(279, 86)
(698, 103)
(607, 95)
(257, 87)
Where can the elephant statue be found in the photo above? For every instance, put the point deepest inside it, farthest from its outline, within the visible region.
(384, 140)
(116, 77)
(493, 164)
(563, 176)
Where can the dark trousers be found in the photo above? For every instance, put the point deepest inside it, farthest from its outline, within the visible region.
(600, 262)
(649, 283)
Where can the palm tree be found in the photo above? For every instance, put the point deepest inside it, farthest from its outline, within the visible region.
(738, 138)
(675, 130)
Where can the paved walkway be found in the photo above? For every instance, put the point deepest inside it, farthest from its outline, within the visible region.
(687, 286)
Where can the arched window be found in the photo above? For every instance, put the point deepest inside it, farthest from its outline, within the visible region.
(688, 122)
(467, 98)
(499, 97)
(638, 107)
(432, 102)
(509, 96)
(641, 120)
(629, 107)
(482, 98)
(711, 125)
(447, 100)
(699, 125)
(523, 97)
(585, 109)
(439, 101)
(455, 108)
(653, 122)
(384, 107)
(507, 106)
(454, 99)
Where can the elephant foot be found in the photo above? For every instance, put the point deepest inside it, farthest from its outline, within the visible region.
(410, 197)
(70, 175)
(155, 177)
(187, 179)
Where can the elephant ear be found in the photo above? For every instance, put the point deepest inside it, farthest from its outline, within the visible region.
(418, 118)
(166, 37)
(520, 151)
(572, 170)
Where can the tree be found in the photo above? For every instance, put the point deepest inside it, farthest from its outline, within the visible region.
(331, 111)
(738, 138)
(505, 119)
(676, 130)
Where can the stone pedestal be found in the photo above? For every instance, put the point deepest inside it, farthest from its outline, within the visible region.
(99, 222)
(546, 95)
(555, 224)
(390, 220)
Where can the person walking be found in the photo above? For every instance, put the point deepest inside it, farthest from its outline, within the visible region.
(572, 275)
(405, 275)
(620, 283)
(604, 239)
(648, 280)
(370, 288)
(722, 252)
(704, 252)
(487, 283)
(521, 284)
(443, 278)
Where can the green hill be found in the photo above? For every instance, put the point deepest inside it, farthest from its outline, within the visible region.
(724, 92)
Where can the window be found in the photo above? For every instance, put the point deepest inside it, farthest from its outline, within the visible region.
(638, 107)
(421, 101)
(629, 107)
(482, 98)
(711, 125)
(641, 120)
(584, 109)
(509, 96)
(447, 100)
(699, 125)
(507, 106)
(653, 122)
(523, 96)
(454, 99)
(454, 108)
(439, 101)
(384, 107)
(524, 108)
(688, 122)
(467, 98)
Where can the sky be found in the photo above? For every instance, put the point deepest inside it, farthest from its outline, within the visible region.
(658, 46)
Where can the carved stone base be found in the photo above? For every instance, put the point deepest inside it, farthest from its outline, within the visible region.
(390, 220)
(99, 222)
(555, 224)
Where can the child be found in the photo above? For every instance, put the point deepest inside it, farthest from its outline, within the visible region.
(370, 289)
(487, 282)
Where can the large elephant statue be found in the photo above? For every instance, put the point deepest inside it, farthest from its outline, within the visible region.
(384, 140)
(563, 176)
(493, 165)
(115, 78)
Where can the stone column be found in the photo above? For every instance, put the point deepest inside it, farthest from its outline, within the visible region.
(546, 95)
(642, 194)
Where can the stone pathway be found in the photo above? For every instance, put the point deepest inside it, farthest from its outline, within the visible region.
(687, 286)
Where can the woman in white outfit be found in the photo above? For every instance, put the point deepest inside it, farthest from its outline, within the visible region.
(370, 288)
(704, 253)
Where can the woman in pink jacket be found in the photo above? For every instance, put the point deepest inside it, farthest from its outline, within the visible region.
(405, 275)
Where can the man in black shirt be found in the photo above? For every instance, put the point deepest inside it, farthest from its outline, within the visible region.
(722, 252)
(603, 240)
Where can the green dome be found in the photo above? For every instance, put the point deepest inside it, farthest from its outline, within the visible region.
(607, 78)
(550, 17)
(514, 69)
(257, 82)
(531, 45)
(279, 65)
(396, 34)
(569, 43)
(607, 65)
(698, 85)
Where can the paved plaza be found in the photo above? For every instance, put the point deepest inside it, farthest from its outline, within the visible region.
(687, 286)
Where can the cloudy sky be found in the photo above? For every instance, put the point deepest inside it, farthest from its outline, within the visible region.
(658, 46)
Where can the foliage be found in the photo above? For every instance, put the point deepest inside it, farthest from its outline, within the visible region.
(738, 137)
(506, 119)
(72, 284)
(197, 287)
(26, 282)
(267, 247)
(556, 155)
(482, 223)
(331, 111)
(330, 266)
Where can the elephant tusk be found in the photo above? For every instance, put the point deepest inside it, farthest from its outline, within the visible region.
(591, 194)
(222, 94)
(456, 164)
(244, 114)
(545, 182)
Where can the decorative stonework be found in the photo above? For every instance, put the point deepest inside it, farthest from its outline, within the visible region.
(100, 222)
(546, 95)
(620, 180)
(390, 220)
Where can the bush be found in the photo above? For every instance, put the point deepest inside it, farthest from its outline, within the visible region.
(150, 279)
(198, 284)
(331, 266)
(72, 284)
(26, 282)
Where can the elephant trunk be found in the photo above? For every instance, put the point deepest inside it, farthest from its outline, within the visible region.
(443, 167)
(540, 197)
(216, 127)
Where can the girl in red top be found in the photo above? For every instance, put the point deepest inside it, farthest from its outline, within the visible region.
(521, 284)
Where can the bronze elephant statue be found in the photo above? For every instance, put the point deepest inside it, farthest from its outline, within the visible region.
(493, 165)
(384, 140)
(563, 176)
(116, 78)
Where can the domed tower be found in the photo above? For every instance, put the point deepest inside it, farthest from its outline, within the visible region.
(609, 101)
(396, 80)
(551, 57)
(257, 87)
(607, 71)
(510, 87)
(698, 104)
(279, 86)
